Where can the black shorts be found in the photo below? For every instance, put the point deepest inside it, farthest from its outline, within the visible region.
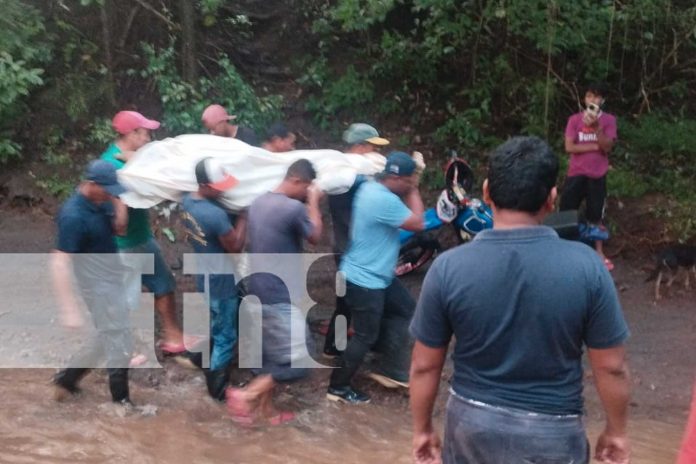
(593, 191)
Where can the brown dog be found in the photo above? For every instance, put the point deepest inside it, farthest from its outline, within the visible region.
(671, 260)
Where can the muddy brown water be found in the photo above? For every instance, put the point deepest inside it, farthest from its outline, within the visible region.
(177, 423)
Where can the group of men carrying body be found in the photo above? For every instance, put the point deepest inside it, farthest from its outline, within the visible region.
(520, 303)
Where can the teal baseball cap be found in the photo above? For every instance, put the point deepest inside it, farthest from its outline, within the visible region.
(363, 133)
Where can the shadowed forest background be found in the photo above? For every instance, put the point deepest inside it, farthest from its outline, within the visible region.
(434, 75)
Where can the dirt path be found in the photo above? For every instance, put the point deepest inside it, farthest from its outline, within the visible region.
(181, 425)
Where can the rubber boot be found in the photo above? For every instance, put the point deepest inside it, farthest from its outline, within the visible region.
(118, 384)
(68, 379)
(216, 382)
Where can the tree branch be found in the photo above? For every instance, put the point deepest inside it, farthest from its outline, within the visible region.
(159, 15)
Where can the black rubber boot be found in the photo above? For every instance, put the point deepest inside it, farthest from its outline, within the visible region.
(217, 381)
(69, 378)
(118, 384)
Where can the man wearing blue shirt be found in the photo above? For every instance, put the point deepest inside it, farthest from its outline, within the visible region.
(210, 231)
(86, 247)
(380, 305)
(522, 305)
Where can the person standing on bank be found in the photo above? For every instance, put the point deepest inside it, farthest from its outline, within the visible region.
(381, 307)
(589, 138)
(521, 319)
(86, 247)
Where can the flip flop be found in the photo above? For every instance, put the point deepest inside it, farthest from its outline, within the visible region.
(171, 348)
(239, 410)
(137, 360)
(283, 417)
(608, 264)
(323, 329)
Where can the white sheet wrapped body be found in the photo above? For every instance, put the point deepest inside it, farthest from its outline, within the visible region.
(164, 170)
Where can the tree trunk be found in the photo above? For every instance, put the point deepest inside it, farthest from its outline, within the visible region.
(108, 57)
(187, 10)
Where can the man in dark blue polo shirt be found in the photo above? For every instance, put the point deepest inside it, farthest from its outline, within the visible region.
(522, 305)
(86, 244)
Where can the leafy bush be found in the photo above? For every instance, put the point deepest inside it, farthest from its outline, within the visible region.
(352, 90)
(183, 102)
(22, 52)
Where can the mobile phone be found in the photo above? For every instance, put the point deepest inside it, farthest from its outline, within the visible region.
(593, 109)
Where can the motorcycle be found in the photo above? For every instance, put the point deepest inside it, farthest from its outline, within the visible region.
(467, 215)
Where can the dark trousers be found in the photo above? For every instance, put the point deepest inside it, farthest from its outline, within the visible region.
(118, 381)
(112, 343)
(593, 191)
(481, 434)
(341, 209)
(381, 320)
(341, 310)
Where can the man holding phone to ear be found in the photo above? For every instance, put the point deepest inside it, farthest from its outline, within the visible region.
(589, 137)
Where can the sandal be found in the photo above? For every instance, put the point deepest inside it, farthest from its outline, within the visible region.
(323, 329)
(239, 410)
(137, 360)
(283, 417)
(172, 348)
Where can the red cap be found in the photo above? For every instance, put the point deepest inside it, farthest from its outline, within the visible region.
(126, 122)
(213, 114)
(211, 172)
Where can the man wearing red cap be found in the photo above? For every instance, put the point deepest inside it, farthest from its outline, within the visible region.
(134, 132)
(217, 121)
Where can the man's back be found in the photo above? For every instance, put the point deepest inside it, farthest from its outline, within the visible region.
(374, 241)
(521, 304)
(276, 224)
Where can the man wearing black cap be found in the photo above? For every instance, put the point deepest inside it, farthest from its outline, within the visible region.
(86, 244)
(210, 231)
(380, 305)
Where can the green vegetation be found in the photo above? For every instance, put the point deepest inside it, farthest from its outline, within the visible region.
(460, 75)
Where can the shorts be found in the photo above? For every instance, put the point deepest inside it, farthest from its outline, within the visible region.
(137, 274)
(593, 191)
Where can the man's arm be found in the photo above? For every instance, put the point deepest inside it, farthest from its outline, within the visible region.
(577, 148)
(426, 369)
(120, 222)
(414, 222)
(612, 381)
(605, 142)
(313, 197)
(233, 240)
(61, 270)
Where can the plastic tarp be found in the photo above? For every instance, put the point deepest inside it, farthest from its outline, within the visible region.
(164, 170)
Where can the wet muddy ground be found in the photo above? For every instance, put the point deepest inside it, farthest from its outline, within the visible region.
(177, 423)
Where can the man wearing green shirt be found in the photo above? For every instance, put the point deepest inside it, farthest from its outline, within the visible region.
(133, 132)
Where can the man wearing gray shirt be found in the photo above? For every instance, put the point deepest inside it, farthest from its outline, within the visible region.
(522, 305)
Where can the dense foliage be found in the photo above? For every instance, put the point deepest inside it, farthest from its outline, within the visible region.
(460, 74)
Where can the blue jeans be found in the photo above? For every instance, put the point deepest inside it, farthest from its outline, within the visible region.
(223, 330)
(477, 433)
